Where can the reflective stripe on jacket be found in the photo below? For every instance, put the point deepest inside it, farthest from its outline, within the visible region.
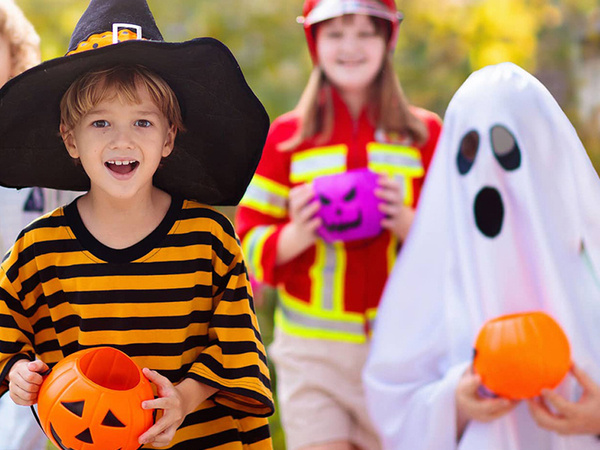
(331, 291)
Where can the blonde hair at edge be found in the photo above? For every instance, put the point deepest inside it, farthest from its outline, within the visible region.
(24, 41)
(389, 110)
(121, 82)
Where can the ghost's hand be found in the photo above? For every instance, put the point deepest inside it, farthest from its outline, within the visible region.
(470, 405)
(398, 216)
(553, 412)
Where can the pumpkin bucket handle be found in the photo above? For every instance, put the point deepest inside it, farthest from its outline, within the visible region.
(35, 414)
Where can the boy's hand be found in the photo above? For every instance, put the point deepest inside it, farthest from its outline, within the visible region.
(24, 381)
(398, 216)
(581, 417)
(176, 402)
(470, 405)
(169, 400)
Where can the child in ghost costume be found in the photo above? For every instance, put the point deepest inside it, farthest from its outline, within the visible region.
(509, 221)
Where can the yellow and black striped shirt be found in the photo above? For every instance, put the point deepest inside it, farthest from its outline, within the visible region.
(178, 302)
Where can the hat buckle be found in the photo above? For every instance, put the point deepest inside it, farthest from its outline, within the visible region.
(118, 25)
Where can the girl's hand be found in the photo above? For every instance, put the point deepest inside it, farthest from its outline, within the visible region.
(300, 232)
(581, 417)
(398, 216)
(302, 210)
(24, 381)
(470, 405)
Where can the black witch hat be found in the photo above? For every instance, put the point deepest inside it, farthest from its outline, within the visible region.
(213, 161)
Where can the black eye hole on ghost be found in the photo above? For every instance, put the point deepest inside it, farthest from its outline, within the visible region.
(467, 151)
(506, 149)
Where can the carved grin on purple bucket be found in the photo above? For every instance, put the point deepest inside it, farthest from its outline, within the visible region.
(344, 226)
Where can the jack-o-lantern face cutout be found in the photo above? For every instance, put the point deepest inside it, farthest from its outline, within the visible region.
(92, 400)
(349, 209)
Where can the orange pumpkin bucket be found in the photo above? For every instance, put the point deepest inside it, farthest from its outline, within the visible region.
(518, 355)
(91, 400)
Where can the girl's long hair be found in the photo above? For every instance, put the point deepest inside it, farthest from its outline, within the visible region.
(389, 108)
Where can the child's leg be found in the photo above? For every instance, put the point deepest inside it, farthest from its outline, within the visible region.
(320, 394)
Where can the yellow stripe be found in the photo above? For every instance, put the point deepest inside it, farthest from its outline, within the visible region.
(406, 177)
(316, 277)
(256, 253)
(409, 192)
(264, 207)
(308, 309)
(319, 155)
(313, 333)
(371, 313)
(311, 175)
(392, 252)
(409, 152)
(340, 270)
(380, 167)
(271, 186)
(317, 152)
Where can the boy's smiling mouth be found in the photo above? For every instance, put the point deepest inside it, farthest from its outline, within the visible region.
(122, 167)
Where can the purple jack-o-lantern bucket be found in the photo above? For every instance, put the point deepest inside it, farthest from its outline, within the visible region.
(349, 209)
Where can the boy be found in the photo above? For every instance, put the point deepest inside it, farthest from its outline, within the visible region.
(134, 264)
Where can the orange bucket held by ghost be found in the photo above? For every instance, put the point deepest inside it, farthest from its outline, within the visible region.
(518, 355)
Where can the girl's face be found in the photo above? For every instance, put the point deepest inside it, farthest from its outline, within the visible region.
(5, 60)
(351, 51)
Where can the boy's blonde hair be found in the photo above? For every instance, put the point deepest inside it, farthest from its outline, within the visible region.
(22, 37)
(120, 82)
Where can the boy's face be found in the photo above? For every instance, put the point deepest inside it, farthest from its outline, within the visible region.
(121, 144)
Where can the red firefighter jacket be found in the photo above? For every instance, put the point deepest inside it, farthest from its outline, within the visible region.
(331, 291)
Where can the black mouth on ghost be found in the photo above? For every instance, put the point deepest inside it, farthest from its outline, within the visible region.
(489, 211)
(344, 226)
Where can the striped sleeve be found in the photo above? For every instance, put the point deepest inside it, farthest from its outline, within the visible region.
(16, 331)
(234, 361)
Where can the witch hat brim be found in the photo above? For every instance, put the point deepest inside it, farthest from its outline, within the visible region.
(213, 161)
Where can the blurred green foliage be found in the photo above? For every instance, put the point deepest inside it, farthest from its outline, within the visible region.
(441, 42)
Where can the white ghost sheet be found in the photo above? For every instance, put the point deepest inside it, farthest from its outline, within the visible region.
(508, 221)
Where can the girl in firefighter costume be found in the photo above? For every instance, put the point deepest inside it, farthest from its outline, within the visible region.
(509, 222)
(351, 115)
